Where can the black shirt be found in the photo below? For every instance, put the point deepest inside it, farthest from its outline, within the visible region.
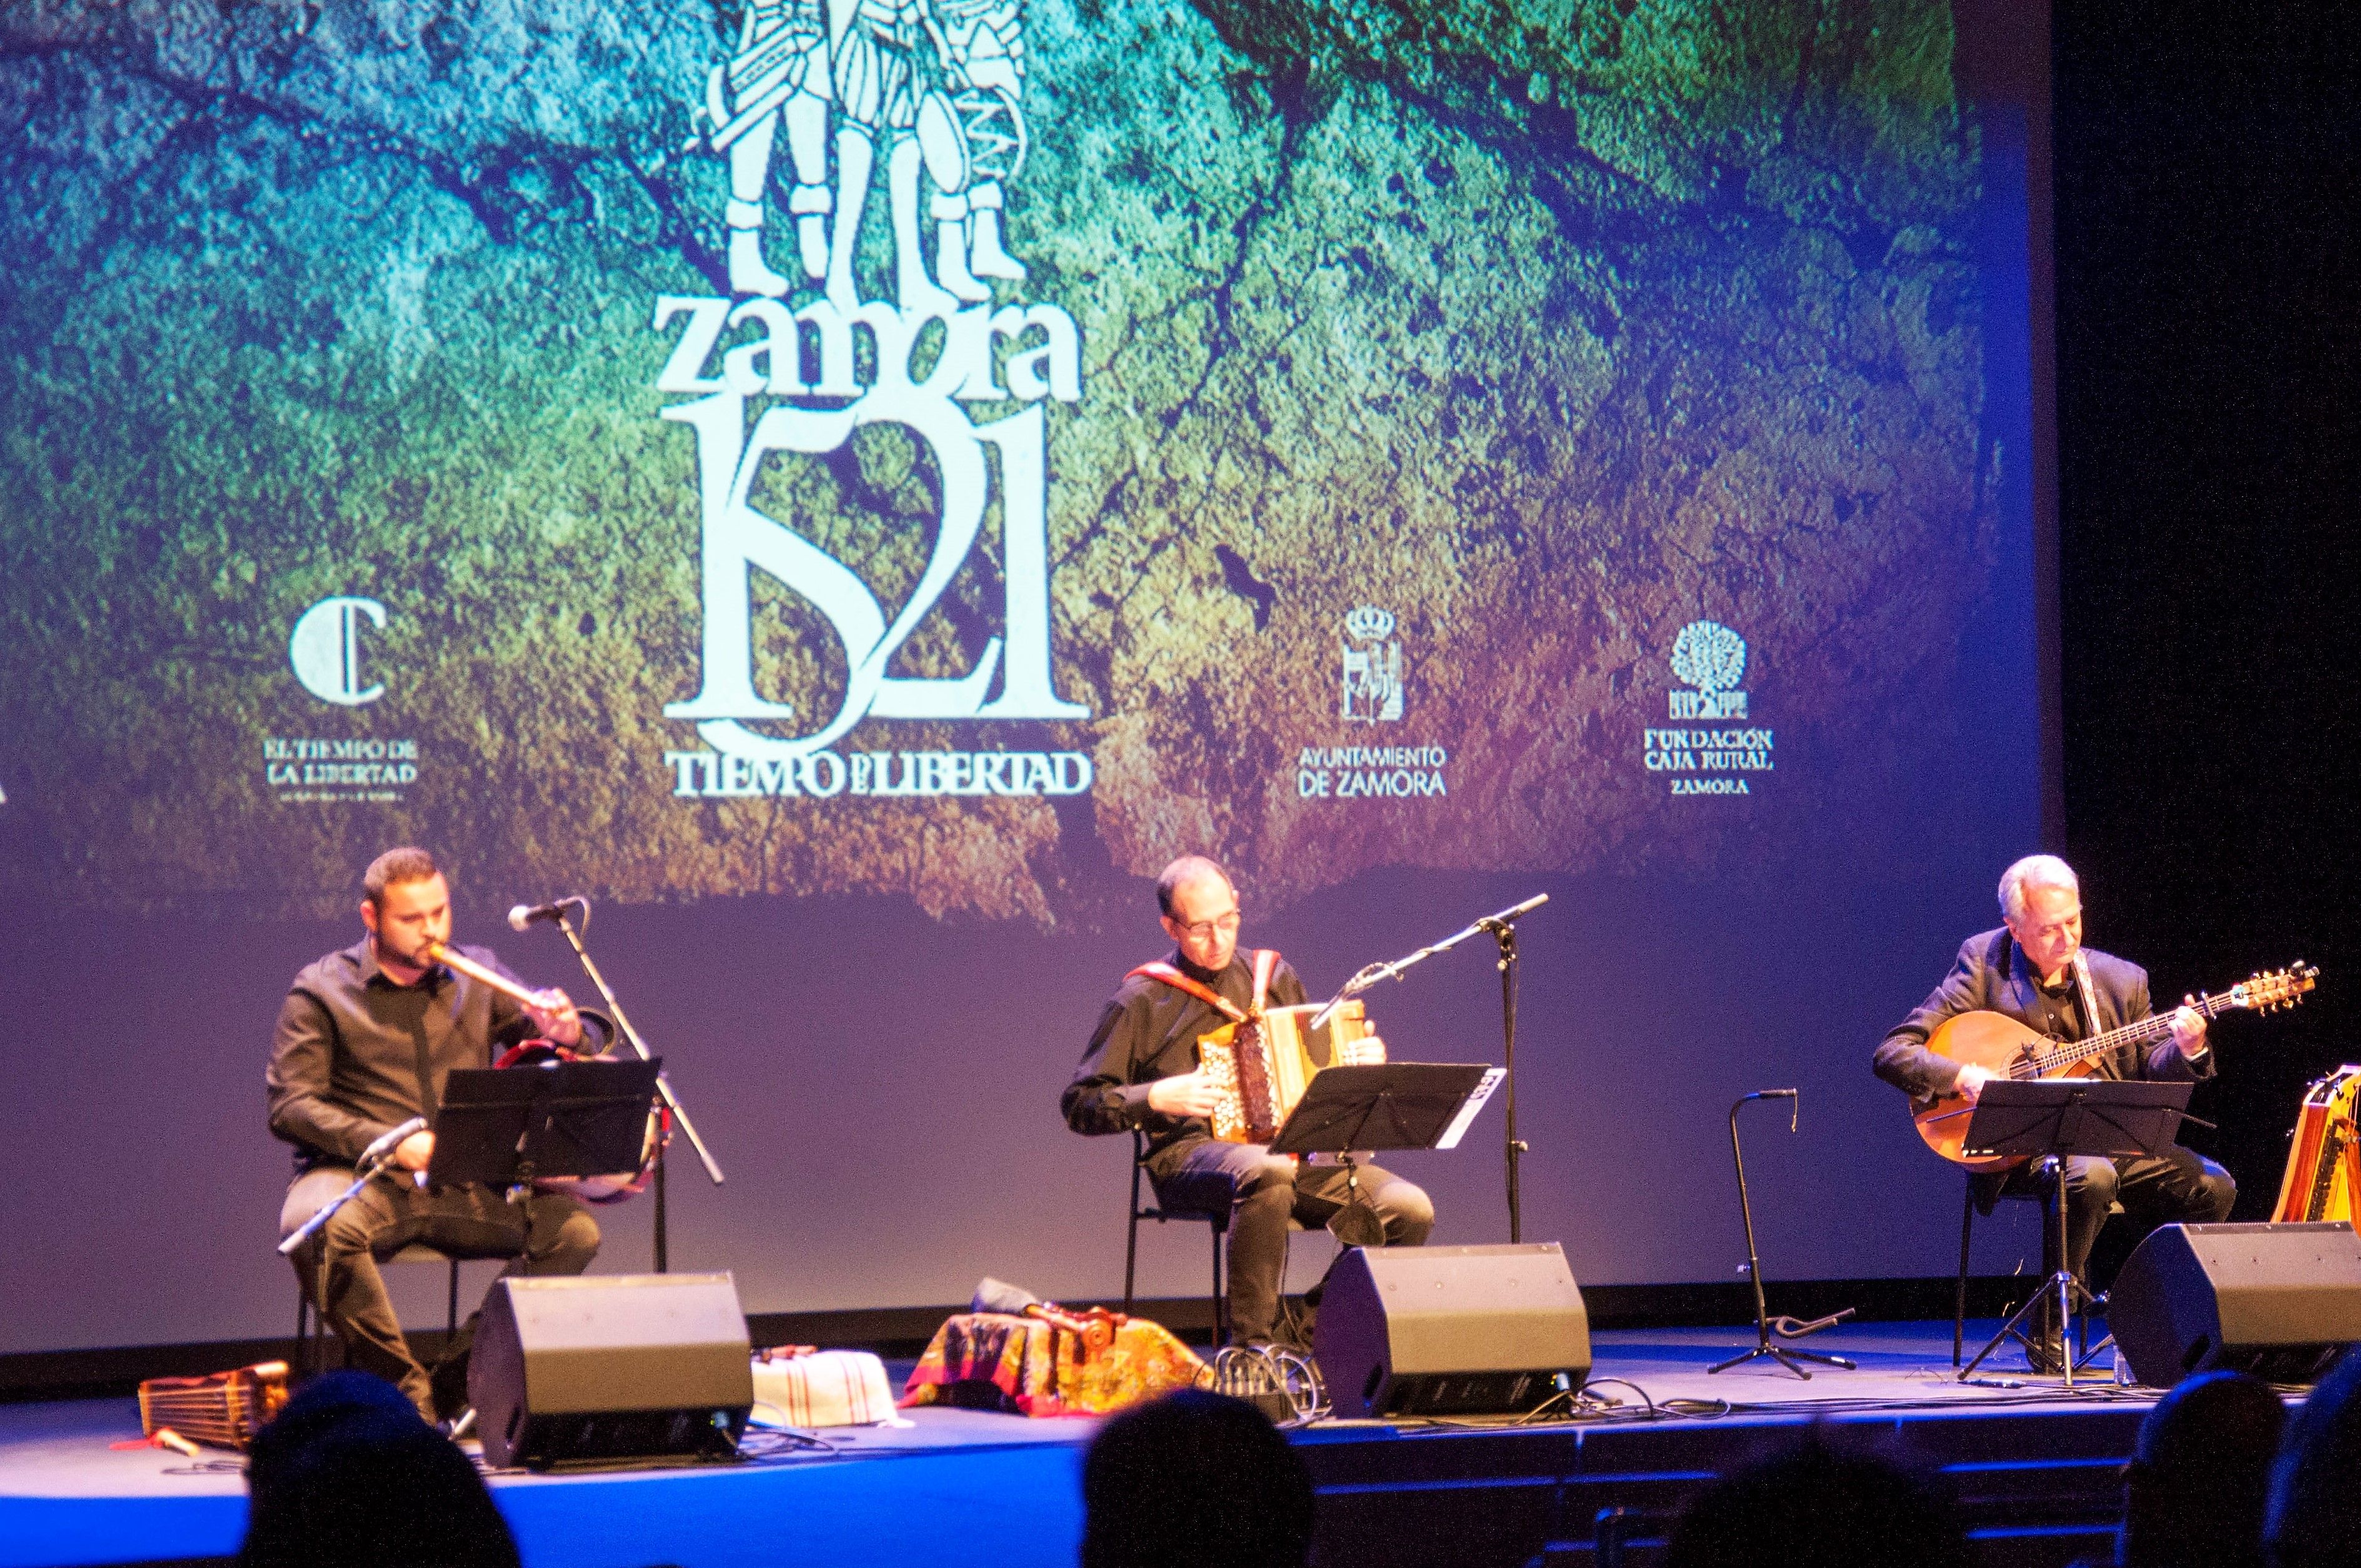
(1148, 1030)
(2060, 1008)
(344, 1060)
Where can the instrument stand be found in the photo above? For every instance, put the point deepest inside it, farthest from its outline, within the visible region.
(2051, 1119)
(2073, 1298)
(1347, 1112)
(1504, 932)
(1346, 1224)
(507, 1128)
(1502, 928)
(664, 1090)
(1765, 1325)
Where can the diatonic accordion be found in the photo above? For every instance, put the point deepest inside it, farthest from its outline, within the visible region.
(1262, 1066)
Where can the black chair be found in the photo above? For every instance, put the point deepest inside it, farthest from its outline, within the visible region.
(1220, 1223)
(308, 1323)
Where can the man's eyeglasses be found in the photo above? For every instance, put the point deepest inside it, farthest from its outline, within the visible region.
(1204, 930)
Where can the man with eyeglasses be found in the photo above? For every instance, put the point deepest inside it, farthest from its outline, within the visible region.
(1140, 1072)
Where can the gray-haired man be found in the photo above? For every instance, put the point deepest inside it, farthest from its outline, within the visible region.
(2034, 969)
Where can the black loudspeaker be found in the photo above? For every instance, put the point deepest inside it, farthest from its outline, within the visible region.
(2276, 1301)
(647, 1367)
(1450, 1329)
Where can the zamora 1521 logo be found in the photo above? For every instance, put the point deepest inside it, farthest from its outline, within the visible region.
(822, 101)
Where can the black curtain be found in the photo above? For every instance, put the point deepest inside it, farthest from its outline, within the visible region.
(2209, 415)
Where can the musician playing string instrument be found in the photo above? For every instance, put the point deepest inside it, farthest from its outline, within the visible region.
(365, 1038)
(1141, 1072)
(2035, 971)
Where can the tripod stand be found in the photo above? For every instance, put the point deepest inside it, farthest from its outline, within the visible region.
(1767, 1325)
(2050, 1119)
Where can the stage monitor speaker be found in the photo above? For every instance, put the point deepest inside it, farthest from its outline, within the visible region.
(1450, 1329)
(2276, 1301)
(646, 1366)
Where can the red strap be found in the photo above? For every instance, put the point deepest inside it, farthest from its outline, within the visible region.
(1266, 964)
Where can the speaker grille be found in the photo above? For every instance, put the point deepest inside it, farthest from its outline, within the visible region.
(2276, 1301)
(639, 1366)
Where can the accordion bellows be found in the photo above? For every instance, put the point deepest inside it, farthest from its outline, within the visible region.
(1261, 1067)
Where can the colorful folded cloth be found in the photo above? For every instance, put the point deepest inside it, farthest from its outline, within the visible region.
(1039, 1368)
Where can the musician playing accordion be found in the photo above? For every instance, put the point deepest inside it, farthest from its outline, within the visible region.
(364, 1039)
(1141, 1073)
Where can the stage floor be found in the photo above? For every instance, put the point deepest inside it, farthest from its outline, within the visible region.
(2035, 1466)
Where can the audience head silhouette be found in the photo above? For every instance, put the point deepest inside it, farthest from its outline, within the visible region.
(2314, 1518)
(1194, 1478)
(2194, 1491)
(348, 1476)
(1815, 1505)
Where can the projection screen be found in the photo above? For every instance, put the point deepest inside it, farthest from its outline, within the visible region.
(853, 489)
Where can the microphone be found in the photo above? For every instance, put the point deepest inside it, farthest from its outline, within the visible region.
(384, 1148)
(524, 914)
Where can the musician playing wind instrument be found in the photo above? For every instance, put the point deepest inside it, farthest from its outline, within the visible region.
(365, 1040)
(1141, 1072)
(2034, 970)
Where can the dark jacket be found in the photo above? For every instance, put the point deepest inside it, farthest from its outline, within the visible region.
(1991, 975)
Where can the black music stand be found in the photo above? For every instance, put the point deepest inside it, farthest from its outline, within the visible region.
(509, 1126)
(2050, 1118)
(1395, 1105)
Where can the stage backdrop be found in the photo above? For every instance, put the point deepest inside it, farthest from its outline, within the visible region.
(854, 489)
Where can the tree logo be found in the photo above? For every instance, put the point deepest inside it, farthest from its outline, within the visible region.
(1711, 658)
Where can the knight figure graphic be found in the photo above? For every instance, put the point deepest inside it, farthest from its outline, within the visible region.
(937, 81)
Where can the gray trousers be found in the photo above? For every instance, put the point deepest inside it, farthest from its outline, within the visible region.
(1262, 1193)
(548, 1233)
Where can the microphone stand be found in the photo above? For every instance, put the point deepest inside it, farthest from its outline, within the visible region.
(1764, 1325)
(372, 1161)
(1502, 928)
(664, 1090)
(1504, 932)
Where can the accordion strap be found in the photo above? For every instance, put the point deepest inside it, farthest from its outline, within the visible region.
(1266, 964)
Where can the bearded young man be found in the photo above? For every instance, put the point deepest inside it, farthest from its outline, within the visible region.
(365, 1038)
